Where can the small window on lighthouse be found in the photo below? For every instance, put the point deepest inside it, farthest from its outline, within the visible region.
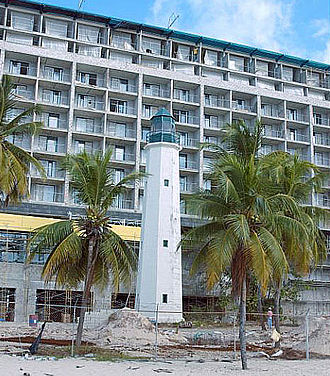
(166, 182)
(165, 243)
(164, 299)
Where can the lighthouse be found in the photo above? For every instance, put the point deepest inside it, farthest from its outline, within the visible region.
(159, 282)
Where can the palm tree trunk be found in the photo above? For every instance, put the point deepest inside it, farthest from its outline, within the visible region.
(242, 321)
(260, 310)
(277, 306)
(86, 292)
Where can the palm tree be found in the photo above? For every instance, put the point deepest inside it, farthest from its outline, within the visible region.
(86, 249)
(299, 179)
(246, 220)
(14, 161)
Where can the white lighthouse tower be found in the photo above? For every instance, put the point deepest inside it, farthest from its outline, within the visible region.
(159, 284)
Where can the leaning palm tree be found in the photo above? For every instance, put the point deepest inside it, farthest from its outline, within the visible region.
(86, 249)
(14, 161)
(300, 179)
(246, 220)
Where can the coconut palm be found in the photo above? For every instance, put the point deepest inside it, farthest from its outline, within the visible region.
(246, 217)
(86, 249)
(14, 161)
(299, 179)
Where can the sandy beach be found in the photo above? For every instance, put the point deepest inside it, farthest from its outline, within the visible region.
(18, 366)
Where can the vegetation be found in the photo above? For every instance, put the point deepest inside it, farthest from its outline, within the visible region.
(250, 225)
(86, 249)
(14, 161)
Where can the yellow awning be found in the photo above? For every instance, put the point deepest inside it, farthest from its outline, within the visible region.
(26, 223)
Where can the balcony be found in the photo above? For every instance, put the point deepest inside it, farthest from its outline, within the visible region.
(187, 119)
(21, 141)
(323, 162)
(185, 97)
(322, 200)
(119, 133)
(21, 71)
(23, 93)
(188, 187)
(324, 121)
(50, 148)
(45, 195)
(123, 204)
(272, 111)
(189, 142)
(188, 165)
(60, 124)
(156, 92)
(216, 102)
(122, 158)
(301, 154)
(239, 106)
(89, 104)
(123, 43)
(94, 128)
(122, 109)
(297, 137)
(57, 100)
(274, 133)
(298, 117)
(123, 88)
(322, 140)
(51, 173)
(55, 76)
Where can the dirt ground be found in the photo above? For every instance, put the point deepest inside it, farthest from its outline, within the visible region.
(18, 366)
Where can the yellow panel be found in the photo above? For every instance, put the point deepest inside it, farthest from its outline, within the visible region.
(15, 222)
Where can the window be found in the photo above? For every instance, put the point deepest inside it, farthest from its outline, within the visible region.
(120, 84)
(120, 153)
(166, 182)
(50, 168)
(85, 125)
(87, 101)
(240, 104)
(88, 78)
(53, 73)
(120, 129)
(18, 67)
(144, 133)
(118, 106)
(207, 185)
(181, 116)
(53, 120)
(292, 114)
(152, 89)
(48, 143)
(183, 183)
(165, 243)
(119, 175)
(183, 160)
(164, 298)
(318, 119)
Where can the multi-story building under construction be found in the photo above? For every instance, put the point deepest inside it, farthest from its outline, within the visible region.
(99, 80)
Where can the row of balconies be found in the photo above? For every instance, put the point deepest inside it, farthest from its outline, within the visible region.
(130, 42)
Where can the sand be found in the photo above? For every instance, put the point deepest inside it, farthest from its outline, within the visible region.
(12, 366)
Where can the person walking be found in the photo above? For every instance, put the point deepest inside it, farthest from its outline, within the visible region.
(270, 318)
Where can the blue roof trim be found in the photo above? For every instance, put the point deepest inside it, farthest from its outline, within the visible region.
(193, 38)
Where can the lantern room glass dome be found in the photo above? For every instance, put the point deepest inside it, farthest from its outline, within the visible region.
(162, 128)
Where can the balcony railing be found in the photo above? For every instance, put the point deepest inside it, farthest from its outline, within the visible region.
(189, 142)
(189, 97)
(321, 121)
(90, 105)
(187, 119)
(40, 195)
(188, 165)
(156, 92)
(123, 88)
(123, 43)
(188, 187)
(217, 102)
(273, 133)
(243, 107)
(55, 100)
(214, 124)
(60, 124)
(53, 76)
(302, 155)
(87, 149)
(99, 82)
(88, 128)
(324, 162)
(322, 140)
(323, 201)
(123, 204)
(273, 73)
(122, 110)
(57, 148)
(297, 137)
(24, 143)
(272, 111)
(24, 93)
(128, 133)
(126, 157)
(26, 71)
(299, 117)
(54, 173)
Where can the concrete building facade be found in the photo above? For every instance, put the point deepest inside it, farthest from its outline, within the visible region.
(100, 80)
